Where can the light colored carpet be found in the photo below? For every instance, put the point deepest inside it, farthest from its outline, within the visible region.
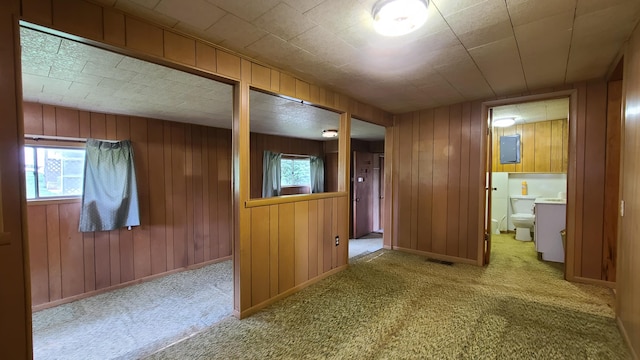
(365, 245)
(135, 321)
(392, 305)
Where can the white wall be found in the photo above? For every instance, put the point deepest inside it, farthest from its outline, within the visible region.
(508, 184)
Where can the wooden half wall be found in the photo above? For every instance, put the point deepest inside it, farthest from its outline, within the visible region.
(105, 26)
(184, 188)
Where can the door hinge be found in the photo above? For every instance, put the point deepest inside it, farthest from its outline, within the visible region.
(486, 237)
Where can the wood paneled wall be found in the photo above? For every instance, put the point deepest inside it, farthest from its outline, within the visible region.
(438, 178)
(15, 311)
(281, 144)
(544, 147)
(293, 243)
(628, 284)
(184, 187)
(586, 214)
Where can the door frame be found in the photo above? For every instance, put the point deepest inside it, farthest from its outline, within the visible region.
(572, 94)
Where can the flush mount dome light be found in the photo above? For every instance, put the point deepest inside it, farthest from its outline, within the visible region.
(331, 133)
(399, 17)
(504, 122)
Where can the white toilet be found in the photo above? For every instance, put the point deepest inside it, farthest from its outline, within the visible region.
(522, 215)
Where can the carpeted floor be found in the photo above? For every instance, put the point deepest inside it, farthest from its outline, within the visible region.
(364, 245)
(392, 305)
(135, 321)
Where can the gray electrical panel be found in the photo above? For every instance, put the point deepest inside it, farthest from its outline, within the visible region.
(510, 149)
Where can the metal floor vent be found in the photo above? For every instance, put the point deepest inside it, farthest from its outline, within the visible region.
(443, 262)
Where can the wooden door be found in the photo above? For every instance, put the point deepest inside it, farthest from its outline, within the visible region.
(362, 193)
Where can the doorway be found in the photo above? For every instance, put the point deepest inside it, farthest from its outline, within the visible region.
(367, 188)
(527, 177)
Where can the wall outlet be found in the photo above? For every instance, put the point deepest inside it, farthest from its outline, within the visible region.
(337, 240)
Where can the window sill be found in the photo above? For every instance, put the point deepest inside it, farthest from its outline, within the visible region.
(292, 199)
(65, 200)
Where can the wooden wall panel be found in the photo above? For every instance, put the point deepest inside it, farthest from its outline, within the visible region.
(628, 281)
(612, 181)
(67, 263)
(543, 146)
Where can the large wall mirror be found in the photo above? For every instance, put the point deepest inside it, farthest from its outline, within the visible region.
(289, 154)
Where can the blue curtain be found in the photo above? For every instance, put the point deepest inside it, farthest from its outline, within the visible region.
(271, 171)
(316, 165)
(110, 194)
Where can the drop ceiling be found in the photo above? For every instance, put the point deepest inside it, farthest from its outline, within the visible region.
(468, 49)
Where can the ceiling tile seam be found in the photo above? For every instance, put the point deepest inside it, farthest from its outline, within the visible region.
(566, 68)
(468, 54)
(524, 74)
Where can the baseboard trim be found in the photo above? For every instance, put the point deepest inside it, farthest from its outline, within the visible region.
(69, 299)
(438, 256)
(625, 336)
(584, 280)
(252, 310)
(388, 247)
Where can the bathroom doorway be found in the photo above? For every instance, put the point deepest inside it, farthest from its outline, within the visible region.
(527, 165)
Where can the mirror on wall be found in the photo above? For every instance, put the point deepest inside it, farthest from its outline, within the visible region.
(289, 154)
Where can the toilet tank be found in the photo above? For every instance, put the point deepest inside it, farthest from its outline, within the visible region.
(522, 204)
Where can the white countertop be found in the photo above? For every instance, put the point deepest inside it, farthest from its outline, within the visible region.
(551, 201)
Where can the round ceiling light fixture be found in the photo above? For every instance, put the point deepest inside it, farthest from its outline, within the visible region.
(330, 133)
(399, 17)
(504, 122)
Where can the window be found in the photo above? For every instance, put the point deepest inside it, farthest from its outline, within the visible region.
(53, 171)
(295, 172)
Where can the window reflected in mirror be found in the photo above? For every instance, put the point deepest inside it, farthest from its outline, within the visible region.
(289, 154)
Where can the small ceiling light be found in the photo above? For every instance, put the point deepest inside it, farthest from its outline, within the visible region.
(504, 122)
(399, 17)
(331, 133)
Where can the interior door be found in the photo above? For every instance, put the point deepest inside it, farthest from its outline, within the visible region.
(488, 190)
(362, 194)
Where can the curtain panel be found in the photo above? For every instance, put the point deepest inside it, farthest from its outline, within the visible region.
(316, 165)
(110, 194)
(271, 170)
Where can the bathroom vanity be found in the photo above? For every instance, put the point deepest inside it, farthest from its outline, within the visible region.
(550, 220)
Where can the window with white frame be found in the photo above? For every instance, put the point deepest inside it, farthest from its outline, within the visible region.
(53, 172)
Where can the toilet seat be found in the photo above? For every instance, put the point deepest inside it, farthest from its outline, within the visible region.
(523, 217)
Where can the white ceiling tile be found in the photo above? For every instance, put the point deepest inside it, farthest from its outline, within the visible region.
(107, 72)
(284, 21)
(131, 7)
(325, 45)
(448, 7)
(589, 6)
(500, 64)
(338, 15)
(272, 49)
(488, 34)
(198, 14)
(526, 11)
(479, 16)
(234, 30)
(303, 5)
(465, 77)
(246, 9)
